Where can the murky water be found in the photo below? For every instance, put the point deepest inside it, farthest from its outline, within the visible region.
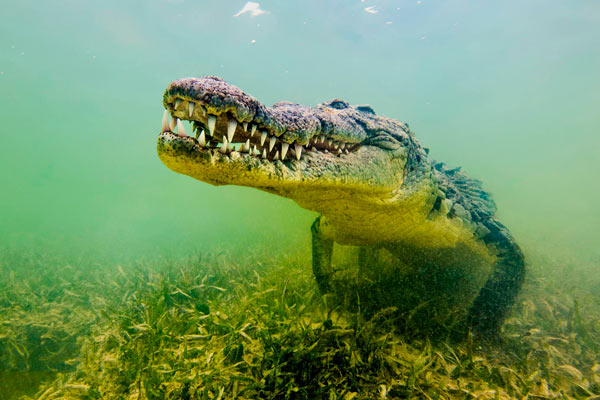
(508, 90)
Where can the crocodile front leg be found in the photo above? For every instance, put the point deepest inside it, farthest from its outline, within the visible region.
(322, 250)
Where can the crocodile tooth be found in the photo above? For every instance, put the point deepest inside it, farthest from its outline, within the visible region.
(263, 136)
(284, 149)
(203, 110)
(336, 145)
(191, 106)
(173, 123)
(313, 148)
(343, 146)
(180, 128)
(177, 103)
(325, 151)
(298, 149)
(224, 146)
(252, 130)
(264, 153)
(322, 139)
(255, 152)
(276, 155)
(245, 126)
(165, 122)
(329, 141)
(231, 124)
(346, 151)
(202, 139)
(247, 146)
(272, 142)
(212, 121)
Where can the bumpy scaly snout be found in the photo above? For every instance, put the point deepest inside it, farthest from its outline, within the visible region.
(226, 119)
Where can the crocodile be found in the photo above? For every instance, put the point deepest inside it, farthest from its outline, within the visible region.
(372, 182)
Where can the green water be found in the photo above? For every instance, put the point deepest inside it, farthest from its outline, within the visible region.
(509, 90)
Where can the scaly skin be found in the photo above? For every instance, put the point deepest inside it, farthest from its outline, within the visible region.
(367, 175)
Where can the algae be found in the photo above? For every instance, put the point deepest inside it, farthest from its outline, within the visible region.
(209, 327)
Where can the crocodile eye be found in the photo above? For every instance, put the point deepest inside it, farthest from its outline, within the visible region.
(366, 109)
(338, 104)
(385, 142)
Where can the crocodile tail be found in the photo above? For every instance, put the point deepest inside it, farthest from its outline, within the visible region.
(472, 203)
(500, 291)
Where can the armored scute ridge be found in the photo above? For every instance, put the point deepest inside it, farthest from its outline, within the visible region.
(369, 178)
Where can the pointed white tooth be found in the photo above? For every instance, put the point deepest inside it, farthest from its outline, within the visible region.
(191, 106)
(322, 139)
(343, 146)
(180, 128)
(336, 145)
(177, 103)
(338, 152)
(264, 153)
(298, 148)
(255, 152)
(252, 130)
(263, 136)
(173, 123)
(224, 146)
(329, 141)
(272, 141)
(231, 124)
(346, 151)
(212, 121)
(247, 146)
(325, 151)
(313, 148)
(245, 125)
(203, 110)
(284, 149)
(276, 155)
(165, 122)
(202, 139)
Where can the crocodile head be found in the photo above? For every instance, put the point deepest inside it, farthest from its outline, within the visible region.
(334, 158)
